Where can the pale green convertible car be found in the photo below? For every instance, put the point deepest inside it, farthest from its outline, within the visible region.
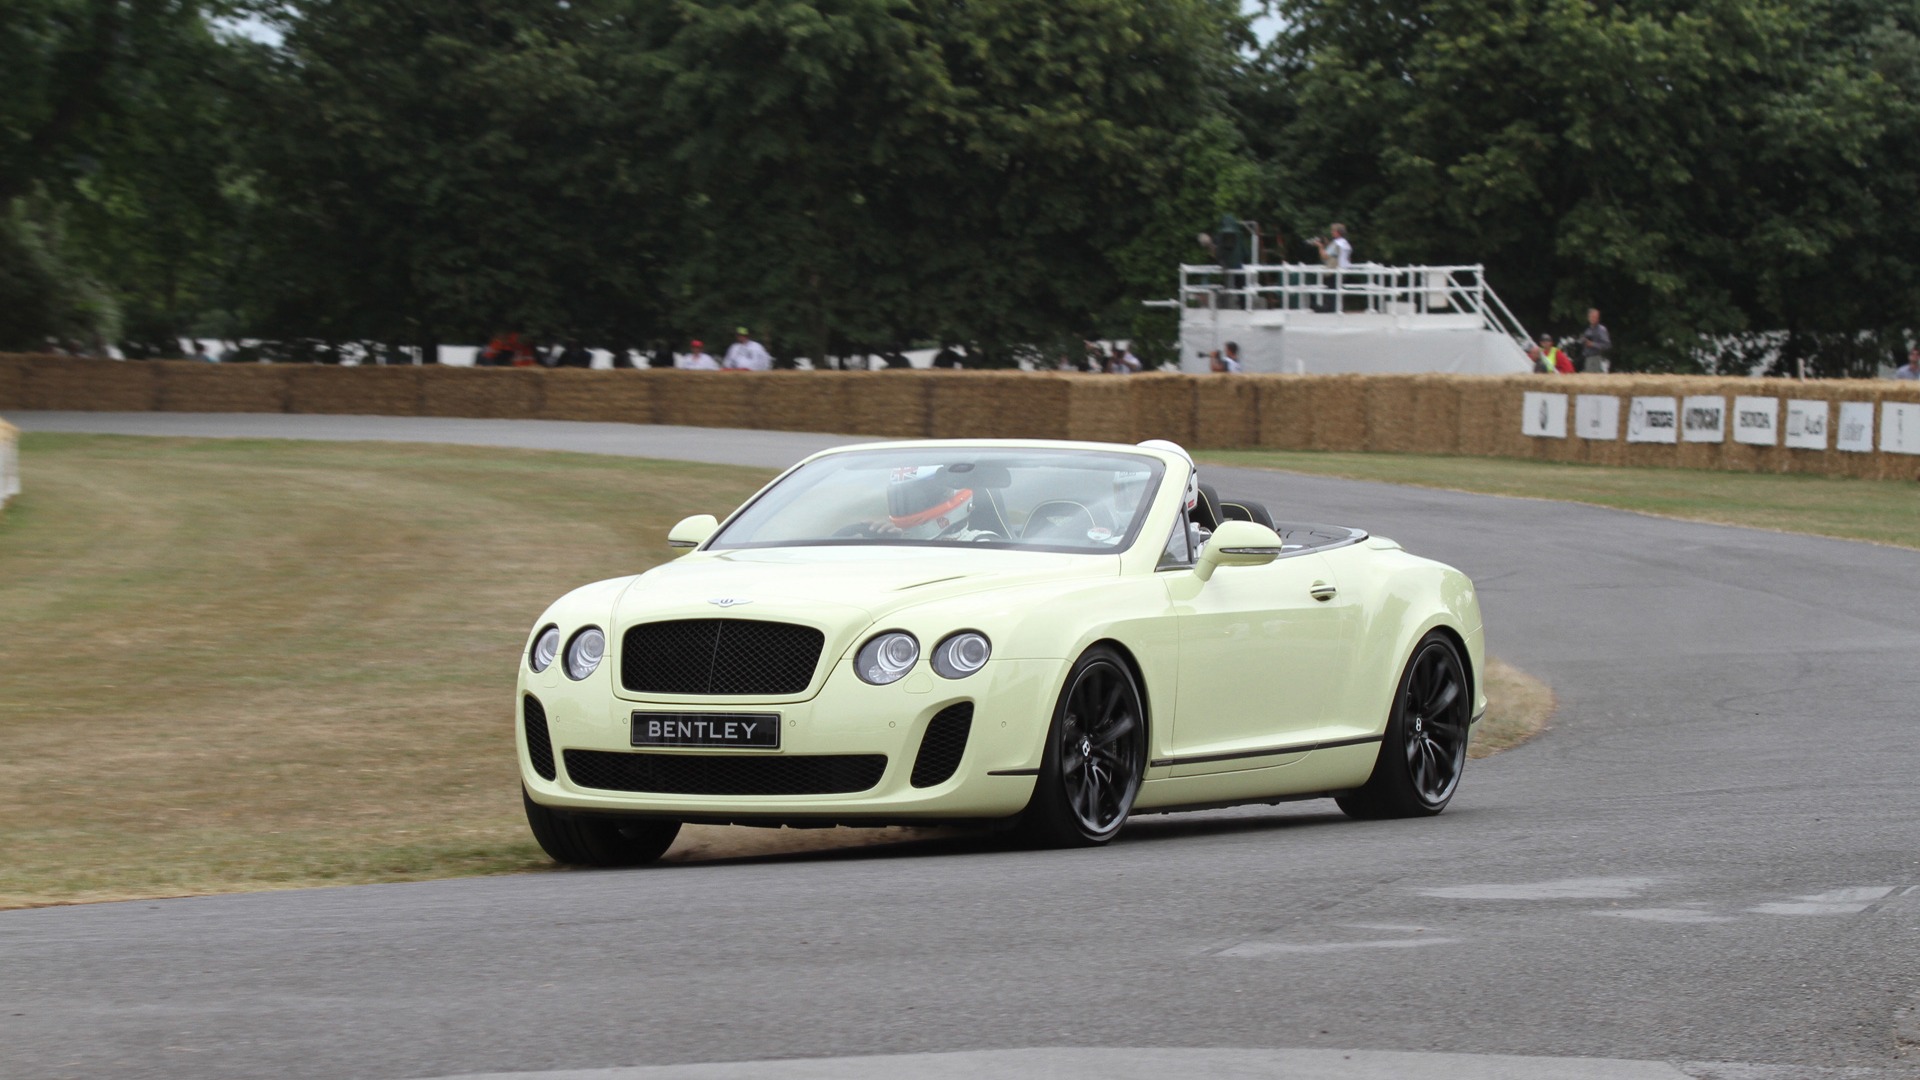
(1046, 636)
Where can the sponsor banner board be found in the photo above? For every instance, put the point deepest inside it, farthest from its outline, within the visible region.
(1544, 416)
(1756, 420)
(1899, 428)
(1653, 419)
(1703, 419)
(1806, 425)
(1854, 432)
(1597, 416)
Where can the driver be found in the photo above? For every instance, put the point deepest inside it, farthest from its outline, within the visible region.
(923, 504)
(1197, 536)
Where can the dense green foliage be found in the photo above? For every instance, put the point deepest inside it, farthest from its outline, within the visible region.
(848, 175)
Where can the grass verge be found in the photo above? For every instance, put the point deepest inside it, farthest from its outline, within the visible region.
(1882, 511)
(234, 665)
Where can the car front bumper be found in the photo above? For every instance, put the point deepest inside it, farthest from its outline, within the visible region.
(1012, 706)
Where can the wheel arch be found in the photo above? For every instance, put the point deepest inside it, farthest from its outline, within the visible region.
(1139, 679)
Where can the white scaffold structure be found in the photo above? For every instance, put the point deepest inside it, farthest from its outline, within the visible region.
(1366, 319)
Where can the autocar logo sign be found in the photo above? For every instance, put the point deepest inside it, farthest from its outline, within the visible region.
(728, 601)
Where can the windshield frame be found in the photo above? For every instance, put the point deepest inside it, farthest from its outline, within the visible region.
(1157, 475)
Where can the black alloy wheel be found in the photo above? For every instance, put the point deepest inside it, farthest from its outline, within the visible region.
(598, 839)
(1425, 749)
(1095, 755)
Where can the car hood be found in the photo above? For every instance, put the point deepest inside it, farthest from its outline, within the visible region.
(813, 582)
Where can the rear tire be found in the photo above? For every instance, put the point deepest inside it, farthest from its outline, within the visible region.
(1425, 749)
(598, 839)
(1095, 755)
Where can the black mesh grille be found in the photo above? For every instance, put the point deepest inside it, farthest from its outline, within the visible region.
(714, 774)
(719, 656)
(942, 745)
(539, 746)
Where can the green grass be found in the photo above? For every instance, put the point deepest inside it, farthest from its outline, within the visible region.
(1882, 511)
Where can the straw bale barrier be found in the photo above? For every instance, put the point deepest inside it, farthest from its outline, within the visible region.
(204, 387)
(1478, 416)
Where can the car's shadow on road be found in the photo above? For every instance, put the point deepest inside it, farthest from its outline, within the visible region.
(743, 845)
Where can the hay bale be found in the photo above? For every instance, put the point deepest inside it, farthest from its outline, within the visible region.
(189, 386)
(1490, 415)
(703, 398)
(372, 390)
(487, 393)
(1162, 407)
(894, 403)
(1390, 411)
(87, 384)
(620, 396)
(803, 400)
(1101, 410)
(13, 381)
(1284, 411)
(999, 405)
(1436, 414)
(1226, 411)
(1337, 405)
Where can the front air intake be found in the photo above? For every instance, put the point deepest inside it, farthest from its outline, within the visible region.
(698, 657)
(726, 774)
(539, 744)
(943, 744)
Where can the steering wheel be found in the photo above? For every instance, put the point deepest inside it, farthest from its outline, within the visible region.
(1061, 519)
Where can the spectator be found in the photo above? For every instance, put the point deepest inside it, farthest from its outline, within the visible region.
(1552, 360)
(1594, 343)
(949, 356)
(574, 355)
(1337, 253)
(201, 354)
(697, 358)
(1228, 362)
(1122, 361)
(1912, 370)
(746, 354)
(1535, 360)
(622, 356)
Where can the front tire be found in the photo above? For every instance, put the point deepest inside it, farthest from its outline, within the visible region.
(597, 839)
(1095, 755)
(1425, 749)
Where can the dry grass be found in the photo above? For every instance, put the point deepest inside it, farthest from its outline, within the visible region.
(1518, 708)
(1881, 511)
(239, 665)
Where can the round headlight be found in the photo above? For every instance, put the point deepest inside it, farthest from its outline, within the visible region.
(584, 652)
(887, 657)
(961, 654)
(545, 648)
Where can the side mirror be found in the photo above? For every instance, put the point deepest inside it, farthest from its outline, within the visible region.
(1237, 543)
(693, 531)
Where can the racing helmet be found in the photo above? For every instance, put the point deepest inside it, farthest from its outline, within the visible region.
(923, 503)
(1193, 472)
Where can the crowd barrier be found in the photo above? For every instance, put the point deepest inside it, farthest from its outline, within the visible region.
(1484, 416)
(9, 463)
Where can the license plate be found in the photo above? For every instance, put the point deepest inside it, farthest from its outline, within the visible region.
(759, 731)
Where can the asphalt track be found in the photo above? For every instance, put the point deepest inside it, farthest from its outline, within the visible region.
(1709, 867)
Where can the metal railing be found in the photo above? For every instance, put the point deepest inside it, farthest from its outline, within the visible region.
(1361, 289)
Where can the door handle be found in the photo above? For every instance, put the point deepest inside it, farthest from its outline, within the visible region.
(1322, 591)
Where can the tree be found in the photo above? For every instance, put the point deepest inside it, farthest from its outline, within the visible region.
(1702, 167)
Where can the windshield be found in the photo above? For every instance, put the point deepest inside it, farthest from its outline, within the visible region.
(1038, 500)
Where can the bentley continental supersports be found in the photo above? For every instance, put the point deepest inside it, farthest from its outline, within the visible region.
(1042, 636)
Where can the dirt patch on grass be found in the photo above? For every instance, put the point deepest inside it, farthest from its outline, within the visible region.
(1518, 708)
